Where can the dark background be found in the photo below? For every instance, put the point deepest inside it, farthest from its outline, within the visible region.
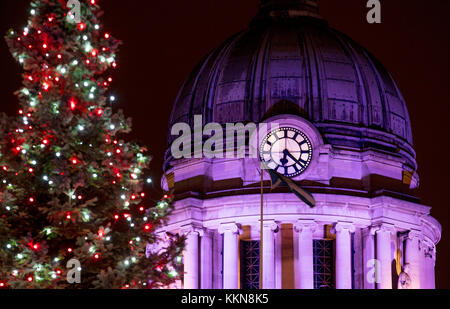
(164, 40)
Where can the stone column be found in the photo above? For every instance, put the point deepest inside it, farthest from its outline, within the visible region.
(230, 233)
(432, 268)
(343, 255)
(412, 257)
(305, 264)
(371, 276)
(190, 254)
(268, 265)
(206, 259)
(384, 255)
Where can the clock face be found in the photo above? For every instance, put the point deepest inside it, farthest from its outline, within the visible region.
(287, 151)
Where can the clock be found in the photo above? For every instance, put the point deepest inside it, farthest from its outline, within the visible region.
(287, 151)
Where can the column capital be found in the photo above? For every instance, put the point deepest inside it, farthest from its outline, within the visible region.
(414, 234)
(305, 225)
(343, 226)
(271, 225)
(192, 228)
(382, 227)
(205, 232)
(229, 227)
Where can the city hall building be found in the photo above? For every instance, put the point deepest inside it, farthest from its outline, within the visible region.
(344, 135)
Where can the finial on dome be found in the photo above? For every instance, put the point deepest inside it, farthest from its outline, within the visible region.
(289, 8)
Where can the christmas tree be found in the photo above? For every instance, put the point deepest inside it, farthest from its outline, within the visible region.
(71, 190)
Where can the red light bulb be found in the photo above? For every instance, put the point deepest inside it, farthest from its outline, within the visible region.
(73, 104)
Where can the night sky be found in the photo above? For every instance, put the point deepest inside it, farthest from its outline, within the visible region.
(164, 40)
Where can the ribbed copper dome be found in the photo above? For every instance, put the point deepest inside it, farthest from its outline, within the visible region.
(290, 61)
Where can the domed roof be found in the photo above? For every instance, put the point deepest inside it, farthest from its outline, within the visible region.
(289, 61)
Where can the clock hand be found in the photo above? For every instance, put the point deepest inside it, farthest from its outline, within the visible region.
(284, 160)
(288, 154)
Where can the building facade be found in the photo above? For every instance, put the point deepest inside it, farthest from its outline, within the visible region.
(346, 124)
